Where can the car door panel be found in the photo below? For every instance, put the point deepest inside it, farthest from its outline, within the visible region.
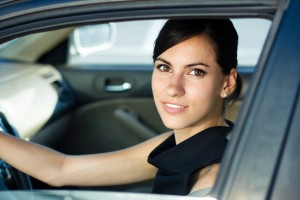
(111, 125)
(92, 84)
(106, 116)
(286, 181)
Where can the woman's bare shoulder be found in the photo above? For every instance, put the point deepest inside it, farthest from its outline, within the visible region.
(206, 177)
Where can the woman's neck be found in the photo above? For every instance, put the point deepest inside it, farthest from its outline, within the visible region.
(183, 134)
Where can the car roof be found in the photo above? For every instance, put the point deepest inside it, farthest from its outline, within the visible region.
(23, 17)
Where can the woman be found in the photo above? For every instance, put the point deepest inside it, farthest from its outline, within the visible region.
(194, 77)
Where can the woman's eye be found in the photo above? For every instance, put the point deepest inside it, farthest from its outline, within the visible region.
(197, 72)
(164, 68)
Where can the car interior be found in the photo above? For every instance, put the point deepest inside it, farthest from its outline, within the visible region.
(68, 90)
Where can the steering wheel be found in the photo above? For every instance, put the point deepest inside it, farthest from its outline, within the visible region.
(11, 178)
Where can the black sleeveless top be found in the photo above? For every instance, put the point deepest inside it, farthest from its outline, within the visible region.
(177, 163)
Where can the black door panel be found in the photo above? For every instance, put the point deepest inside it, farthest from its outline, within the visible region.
(111, 125)
(93, 83)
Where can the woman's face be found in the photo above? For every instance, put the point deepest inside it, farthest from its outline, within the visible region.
(187, 85)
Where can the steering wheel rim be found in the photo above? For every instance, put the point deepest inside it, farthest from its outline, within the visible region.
(10, 177)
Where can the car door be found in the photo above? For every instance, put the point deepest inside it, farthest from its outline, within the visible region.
(259, 163)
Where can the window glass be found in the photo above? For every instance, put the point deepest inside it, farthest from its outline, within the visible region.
(252, 35)
(132, 43)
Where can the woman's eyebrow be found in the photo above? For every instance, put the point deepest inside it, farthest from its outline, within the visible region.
(188, 65)
(163, 60)
(198, 63)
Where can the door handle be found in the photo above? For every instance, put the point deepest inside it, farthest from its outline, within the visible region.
(121, 87)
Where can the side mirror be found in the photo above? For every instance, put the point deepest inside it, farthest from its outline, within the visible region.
(93, 38)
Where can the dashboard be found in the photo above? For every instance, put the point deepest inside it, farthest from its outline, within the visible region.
(31, 95)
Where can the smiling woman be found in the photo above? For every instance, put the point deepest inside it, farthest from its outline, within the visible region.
(194, 65)
(194, 74)
(190, 76)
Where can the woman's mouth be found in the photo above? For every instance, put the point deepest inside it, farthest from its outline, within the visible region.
(173, 108)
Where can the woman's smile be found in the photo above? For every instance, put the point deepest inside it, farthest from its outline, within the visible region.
(173, 108)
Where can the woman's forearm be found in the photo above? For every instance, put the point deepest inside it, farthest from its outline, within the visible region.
(119, 167)
(35, 160)
(57, 169)
(113, 168)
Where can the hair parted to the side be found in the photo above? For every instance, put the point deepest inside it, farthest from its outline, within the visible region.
(222, 34)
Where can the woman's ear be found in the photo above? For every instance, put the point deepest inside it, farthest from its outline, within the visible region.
(229, 83)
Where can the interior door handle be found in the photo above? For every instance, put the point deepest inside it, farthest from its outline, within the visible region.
(109, 87)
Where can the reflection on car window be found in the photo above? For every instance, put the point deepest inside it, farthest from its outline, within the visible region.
(133, 43)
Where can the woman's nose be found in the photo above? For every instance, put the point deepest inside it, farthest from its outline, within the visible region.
(175, 86)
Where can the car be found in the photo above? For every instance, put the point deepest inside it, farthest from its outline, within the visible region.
(65, 87)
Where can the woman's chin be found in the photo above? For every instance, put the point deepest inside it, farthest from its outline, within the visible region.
(174, 126)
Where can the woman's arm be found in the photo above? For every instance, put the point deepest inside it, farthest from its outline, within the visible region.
(119, 167)
(205, 178)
